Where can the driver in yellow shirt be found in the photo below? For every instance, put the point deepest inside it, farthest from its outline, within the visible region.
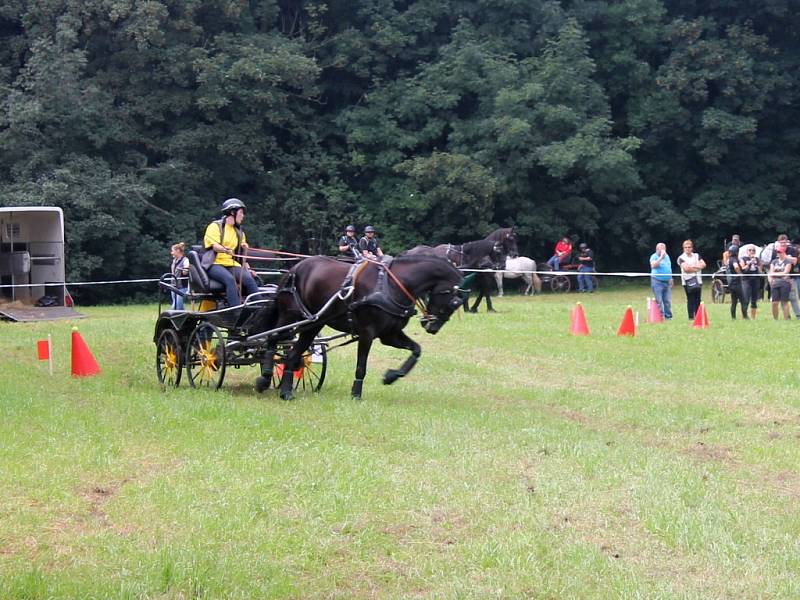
(226, 238)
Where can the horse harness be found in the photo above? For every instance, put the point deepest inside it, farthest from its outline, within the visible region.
(458, 250)
(381, 297)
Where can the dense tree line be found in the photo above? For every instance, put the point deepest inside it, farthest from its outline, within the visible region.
(622, 123)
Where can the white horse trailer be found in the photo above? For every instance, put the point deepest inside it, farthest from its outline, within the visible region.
(32, 264)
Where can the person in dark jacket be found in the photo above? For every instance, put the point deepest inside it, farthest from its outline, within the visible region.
(348, 244)
(369, 245)
(586, 266)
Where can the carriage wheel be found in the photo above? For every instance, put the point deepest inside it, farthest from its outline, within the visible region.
(205, 357)
(311, 374)
(560, 283)
(717, 291)
(169, 367)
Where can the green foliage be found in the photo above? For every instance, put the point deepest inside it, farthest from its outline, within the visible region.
(434, 120)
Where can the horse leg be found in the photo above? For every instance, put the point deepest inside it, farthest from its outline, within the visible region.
(489, 307)
(498, 277)
(364, 346)
(400, 340)
(293, 360)
(528, 283)
(475, 306)
(267, 365)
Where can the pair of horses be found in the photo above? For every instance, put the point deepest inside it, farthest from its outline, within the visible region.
(374, 300)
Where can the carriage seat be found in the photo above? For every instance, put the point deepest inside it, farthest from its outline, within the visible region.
(199, 281)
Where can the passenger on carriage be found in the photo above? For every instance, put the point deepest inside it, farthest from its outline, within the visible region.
(348, 244)
(180, 272)
(369, 244)
(561, 253)
(227, 240)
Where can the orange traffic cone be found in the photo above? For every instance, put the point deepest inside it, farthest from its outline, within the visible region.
(654, 312)
(701, 317)
(83, 363)
(578, 325)
(627, 327)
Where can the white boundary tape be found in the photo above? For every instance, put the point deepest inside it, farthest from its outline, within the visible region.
(107, 282)
(630, 274)
(618, 273)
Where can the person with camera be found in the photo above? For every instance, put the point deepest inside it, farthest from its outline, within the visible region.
(750, 268)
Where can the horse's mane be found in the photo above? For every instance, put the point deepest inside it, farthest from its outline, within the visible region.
(404, 257)
(497, 233)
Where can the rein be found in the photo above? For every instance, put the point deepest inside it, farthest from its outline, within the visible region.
(414, 301)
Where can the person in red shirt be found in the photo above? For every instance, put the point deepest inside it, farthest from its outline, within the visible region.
(562, 253)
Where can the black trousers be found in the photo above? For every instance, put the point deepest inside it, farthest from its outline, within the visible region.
(693, 299)
(751, 290)
(737, 295)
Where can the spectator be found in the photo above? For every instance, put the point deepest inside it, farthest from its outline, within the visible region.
(586, 265)
(780, 281)
(792, 255)
(180, 272)
(691, 265)
(561, 254)
(661, 279)
(750, 267)
(735, 241)
(734, 270)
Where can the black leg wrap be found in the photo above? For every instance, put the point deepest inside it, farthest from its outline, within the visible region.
(358, 384)
(391, 376)
(268, 364)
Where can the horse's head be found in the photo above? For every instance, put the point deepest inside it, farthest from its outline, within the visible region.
(443, 301)
(496, 258)
(509, 242)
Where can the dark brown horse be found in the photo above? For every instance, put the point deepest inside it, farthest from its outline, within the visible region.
(507, 238)
(487, 253)
(374, 301)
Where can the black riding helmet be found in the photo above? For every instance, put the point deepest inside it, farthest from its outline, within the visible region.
(369, 229)
(350, 228)
(231, 205)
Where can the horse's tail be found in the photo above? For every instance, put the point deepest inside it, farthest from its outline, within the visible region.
(537, 282)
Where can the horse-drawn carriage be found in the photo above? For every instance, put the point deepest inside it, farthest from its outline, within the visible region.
(561, 281)
(278, 327)
(207, 340)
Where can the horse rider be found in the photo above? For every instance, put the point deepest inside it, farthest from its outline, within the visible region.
(224, 239)
(348, 244)
(369, 244)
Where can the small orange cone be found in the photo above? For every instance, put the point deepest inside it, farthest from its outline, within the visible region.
(627, 327)
(654, 312)
(578, 325)
(83, 363)
(701, 317)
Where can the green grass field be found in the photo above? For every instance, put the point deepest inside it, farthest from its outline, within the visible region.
(514, 462)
